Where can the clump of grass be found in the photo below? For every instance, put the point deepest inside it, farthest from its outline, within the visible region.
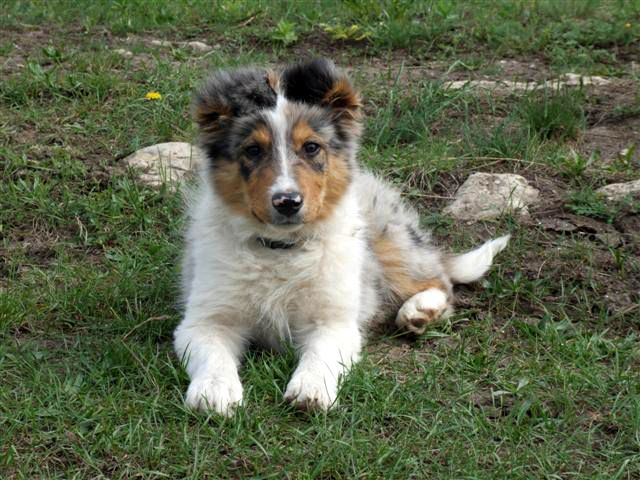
(508, 139)
(588, 203)
(556, 114)
(284, 33)
(574, 164)
(407, 118)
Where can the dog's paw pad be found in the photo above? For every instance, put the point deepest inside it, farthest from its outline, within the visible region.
(311, 391)
(221, 395)
(422, 309)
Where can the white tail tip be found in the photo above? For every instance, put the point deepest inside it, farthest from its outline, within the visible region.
(471, 266)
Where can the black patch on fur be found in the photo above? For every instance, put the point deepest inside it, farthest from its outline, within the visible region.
(415, 236)
(316, 164)
(216, 150)
(309, 82)
(245, 170)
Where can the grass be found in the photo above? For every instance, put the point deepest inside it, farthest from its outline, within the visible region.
(554, 114)
(536, 376)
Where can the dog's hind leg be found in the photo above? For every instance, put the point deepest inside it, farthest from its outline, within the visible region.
(419, 278)
(423, 293)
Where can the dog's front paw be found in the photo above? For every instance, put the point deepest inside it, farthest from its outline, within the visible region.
(311, 391)
(219, 394)
(422, 309)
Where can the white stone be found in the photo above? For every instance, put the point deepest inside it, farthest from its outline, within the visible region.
(165, 162)
(125, 53)
(198, 46)
(507, 86)
(618, 191)
(485, 196)
(161, 43)
(575, 80)
(491, 85)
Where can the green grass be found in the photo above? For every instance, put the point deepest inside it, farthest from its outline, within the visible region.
(536, 376)
(570, 33)
(554, 114)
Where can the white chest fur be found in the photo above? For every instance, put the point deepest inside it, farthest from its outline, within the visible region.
(279, 291)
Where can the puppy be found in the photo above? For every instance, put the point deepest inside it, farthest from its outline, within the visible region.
(290, 241)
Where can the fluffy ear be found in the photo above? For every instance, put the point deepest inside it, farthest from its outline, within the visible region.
(226, 96)
(318, 82)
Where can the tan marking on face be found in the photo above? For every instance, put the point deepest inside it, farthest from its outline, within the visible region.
(302, 133)
(312, 185)
(338, 178)
(258, 197)
(261, 136)
(249, 198)
(402, 283)
(322, 190)
(230, 186)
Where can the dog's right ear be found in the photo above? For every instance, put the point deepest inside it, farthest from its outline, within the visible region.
(226, 96)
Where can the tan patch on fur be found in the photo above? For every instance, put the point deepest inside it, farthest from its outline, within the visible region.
(312, 185)
(322, 190)
(258, 193)
(250, 198)
(338, 178)
(262, 136)
(342, 96)
(396, 272)
(273, 80)
(229, 185)
(301, 133)
(209, 116)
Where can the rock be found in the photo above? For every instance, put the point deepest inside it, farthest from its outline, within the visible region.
(485, 196)
(575, 80)
(161, 43)
(165, 162)
(507, 86)
(558, 225)
(123, 52)
(609, 239)
(498, 86)
(194, 45)
(198, 46)
(616, 192)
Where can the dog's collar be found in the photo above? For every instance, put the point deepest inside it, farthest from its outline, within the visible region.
(275, 244)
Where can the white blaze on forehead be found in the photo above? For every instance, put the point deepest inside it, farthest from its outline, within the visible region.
(285, 182)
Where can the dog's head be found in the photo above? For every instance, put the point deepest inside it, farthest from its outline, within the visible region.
(280, 147)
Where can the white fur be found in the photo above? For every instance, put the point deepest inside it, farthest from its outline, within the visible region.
(472, 265)
(421, 309)
(284, 181)
(239, 290)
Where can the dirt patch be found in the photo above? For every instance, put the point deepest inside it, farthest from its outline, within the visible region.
(612, 140)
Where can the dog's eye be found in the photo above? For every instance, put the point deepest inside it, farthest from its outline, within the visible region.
(311, 148)
(253, 151)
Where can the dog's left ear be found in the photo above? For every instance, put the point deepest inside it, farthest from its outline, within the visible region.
(319, 82)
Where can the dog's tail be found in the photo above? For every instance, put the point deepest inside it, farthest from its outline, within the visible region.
(471, 266)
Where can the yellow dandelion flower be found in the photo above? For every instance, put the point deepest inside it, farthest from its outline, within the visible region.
(153, 96)
(627, 25)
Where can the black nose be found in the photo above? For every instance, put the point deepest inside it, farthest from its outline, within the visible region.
(287, 203)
